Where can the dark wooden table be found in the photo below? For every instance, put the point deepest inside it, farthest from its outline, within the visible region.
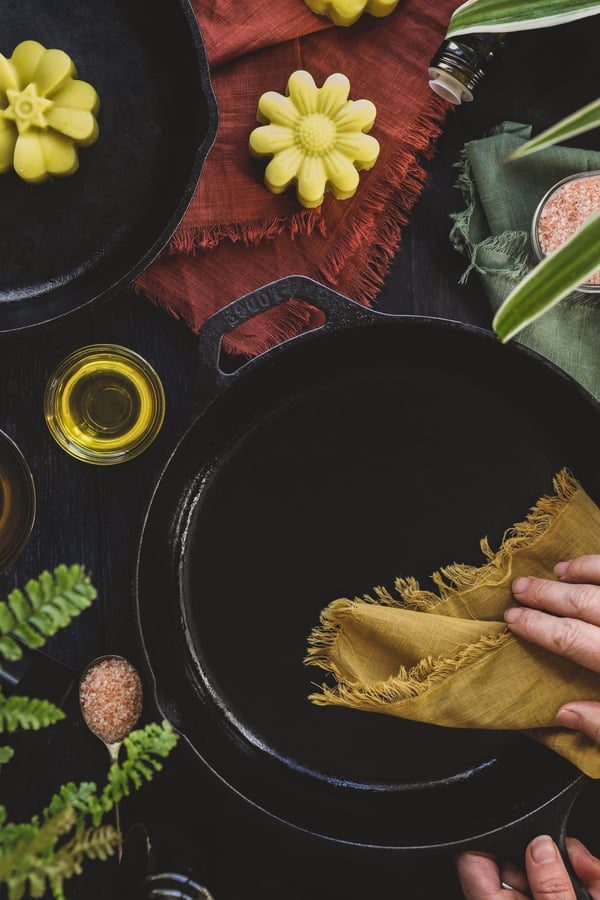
(93, 516)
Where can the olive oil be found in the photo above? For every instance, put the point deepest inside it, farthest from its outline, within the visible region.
(17, 502)
(104, 404)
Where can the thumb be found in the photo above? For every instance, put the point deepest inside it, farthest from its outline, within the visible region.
(546, 872)
(583, 716)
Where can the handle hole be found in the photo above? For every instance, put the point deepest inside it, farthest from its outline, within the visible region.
(267, 329)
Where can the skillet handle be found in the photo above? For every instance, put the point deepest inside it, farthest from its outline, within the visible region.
(552, 819)
(339, 310)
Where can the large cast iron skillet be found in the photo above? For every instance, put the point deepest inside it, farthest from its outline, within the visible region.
(373, 447)
(73, 242)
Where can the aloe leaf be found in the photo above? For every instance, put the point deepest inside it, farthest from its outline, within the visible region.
(553, 278)
(583, 119)
(516, 15)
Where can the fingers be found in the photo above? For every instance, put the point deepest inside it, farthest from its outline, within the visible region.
(582, 569)
(586, 866)
(571, 638)
(480, 878)
(546, 872)
(513, 876)
(573, 628)
(547, 877)
(579, 601)
(581, 715)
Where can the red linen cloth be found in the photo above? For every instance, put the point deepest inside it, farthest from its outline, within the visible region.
(237, 235)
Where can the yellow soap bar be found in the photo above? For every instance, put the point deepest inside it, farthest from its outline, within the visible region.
(46, 113)
(315, 137)
(347, 12)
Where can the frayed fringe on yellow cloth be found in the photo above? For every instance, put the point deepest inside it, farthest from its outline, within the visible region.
(447, 658)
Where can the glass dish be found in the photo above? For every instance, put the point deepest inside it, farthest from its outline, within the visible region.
(562, 209)
(17, 502)
(104, 404)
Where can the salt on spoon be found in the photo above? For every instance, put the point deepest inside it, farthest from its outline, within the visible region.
(110, 697)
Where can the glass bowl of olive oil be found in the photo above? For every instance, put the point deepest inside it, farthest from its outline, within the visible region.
(104, 404)
(17, 502)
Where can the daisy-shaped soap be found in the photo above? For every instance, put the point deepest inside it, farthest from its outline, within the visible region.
(316, 138)
(347, 12)
(46, 113)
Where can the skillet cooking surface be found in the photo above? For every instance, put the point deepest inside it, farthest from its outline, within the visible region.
(336, 464)
(72, 241)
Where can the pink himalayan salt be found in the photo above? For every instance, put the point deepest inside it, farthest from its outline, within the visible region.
(111, 698)
(565, 211)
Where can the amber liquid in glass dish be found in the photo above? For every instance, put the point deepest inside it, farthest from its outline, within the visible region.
(17, 502)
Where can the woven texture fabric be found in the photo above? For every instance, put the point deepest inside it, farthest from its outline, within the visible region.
(237, 235)
(494, 232)
(445, 657)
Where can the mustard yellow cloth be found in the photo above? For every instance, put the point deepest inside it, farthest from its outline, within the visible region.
(447, 658)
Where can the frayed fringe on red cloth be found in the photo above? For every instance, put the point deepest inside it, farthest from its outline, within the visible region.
(237, 235)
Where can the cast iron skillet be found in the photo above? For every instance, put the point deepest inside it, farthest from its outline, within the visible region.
(68, 244)
(373, 447)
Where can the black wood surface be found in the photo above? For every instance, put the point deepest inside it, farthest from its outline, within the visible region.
(93, 515)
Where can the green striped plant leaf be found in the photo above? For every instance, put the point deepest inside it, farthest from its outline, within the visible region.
(556, 276)
(516, 15)
(583, 119)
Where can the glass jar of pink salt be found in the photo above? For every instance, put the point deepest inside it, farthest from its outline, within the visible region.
(561, 211)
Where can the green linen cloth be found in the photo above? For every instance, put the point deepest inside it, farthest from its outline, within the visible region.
(493, 231)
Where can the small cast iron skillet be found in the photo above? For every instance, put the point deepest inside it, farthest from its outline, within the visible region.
(70, 243)
(373, 447)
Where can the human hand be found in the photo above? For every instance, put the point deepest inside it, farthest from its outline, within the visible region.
(483, 878)
(564, 616)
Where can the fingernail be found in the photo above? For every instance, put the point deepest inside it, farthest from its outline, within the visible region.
(543, 849)
(569, 718)
(513, 614)
(560, 569)
(520, 584)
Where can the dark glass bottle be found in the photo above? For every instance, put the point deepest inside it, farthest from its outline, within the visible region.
(460, 64)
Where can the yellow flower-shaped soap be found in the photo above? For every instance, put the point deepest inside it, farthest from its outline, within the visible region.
(316, 138)
(347, 12)
(46, 113)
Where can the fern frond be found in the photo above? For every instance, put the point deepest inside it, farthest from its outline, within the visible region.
(46, 604)
(23, 712)
(15, 832)
(25, 864)
(83, 798)
(142, 747)
(29, 857)
(95, 843)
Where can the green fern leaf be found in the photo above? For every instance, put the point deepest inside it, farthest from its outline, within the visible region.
(23, 712)
(6, 754)
(9, 648)
(7, 620)
(31, 638)
(78, 796)
(47, 603)
(18, 605)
